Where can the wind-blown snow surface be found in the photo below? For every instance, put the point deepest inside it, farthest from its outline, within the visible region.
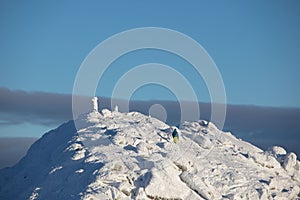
(132, 156)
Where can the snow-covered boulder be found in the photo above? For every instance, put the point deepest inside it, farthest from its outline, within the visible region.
(290, 162)
(277, 150)
(264, 159)
(203, 142)
(165, 183)
(106, 113)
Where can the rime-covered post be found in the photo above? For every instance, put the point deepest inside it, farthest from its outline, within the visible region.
(95, 104)
(116, 108)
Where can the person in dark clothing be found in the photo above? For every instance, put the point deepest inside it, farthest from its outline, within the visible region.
(175, 135)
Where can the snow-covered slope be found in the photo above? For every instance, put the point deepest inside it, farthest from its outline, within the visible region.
(132, 156)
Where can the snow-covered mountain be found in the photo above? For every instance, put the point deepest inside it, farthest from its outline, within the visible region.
(117, 155)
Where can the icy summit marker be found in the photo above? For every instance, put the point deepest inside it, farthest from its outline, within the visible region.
(95, 103)
(116, 109)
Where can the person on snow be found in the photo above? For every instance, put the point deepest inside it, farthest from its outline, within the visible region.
(175, 135)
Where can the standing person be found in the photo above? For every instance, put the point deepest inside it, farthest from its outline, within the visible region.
(175, 135)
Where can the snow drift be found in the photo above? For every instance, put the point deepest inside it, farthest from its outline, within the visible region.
(117, 155)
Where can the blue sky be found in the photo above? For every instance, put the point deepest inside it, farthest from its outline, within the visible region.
(255, 45)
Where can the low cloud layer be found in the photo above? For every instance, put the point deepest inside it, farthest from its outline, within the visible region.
(263, 126)
(34, 107)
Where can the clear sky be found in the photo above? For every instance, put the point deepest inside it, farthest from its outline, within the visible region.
(255, 44)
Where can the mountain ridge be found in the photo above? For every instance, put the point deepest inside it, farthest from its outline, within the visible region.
(113, 155)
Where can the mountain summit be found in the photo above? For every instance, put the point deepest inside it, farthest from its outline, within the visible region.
(113, 155)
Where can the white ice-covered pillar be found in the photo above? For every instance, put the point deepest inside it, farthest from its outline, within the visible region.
(95, 104)
(116, 108)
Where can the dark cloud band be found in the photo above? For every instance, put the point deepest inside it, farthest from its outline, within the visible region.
(253, 123)
(34, 107)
